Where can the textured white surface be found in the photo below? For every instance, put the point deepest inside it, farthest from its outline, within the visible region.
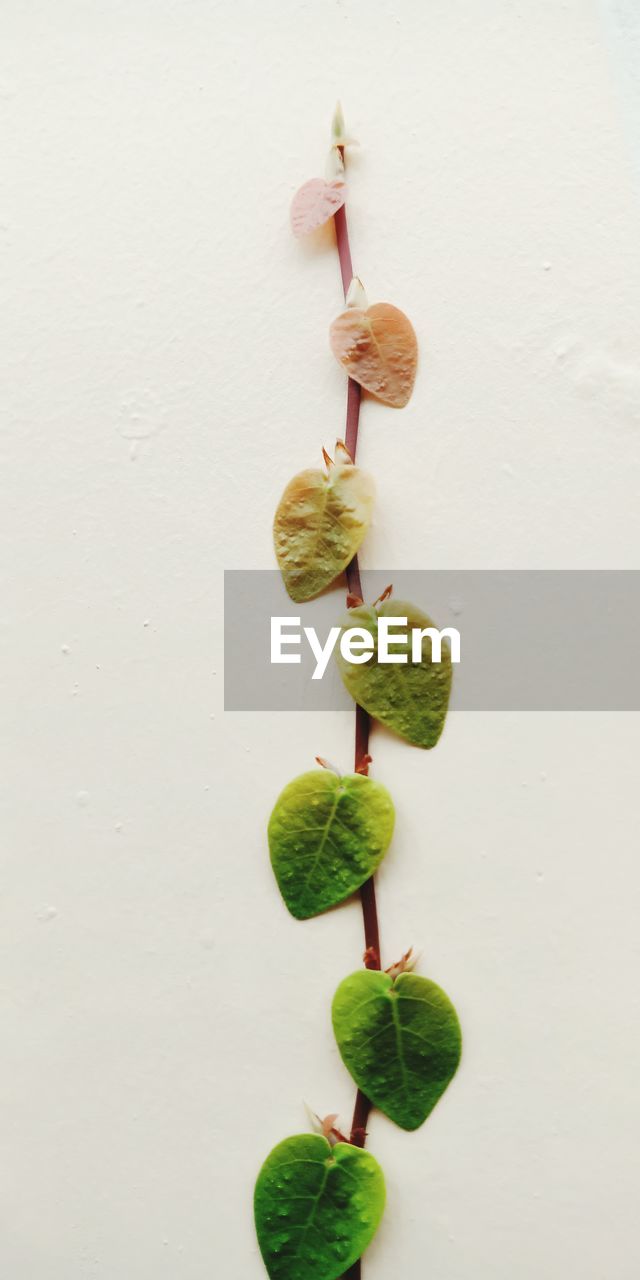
(165, 370)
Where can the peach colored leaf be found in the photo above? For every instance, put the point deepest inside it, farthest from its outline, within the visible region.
(378, 349)
(315, 203)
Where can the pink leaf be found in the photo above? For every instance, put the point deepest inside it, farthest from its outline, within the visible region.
(315, 203)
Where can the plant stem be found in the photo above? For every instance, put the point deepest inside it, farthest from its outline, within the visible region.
(351, 430)
(342, 236)
(354, 586)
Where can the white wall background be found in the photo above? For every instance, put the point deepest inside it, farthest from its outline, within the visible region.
(165, 371)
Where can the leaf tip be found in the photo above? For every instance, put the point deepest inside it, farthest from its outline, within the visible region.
(339, 136)
(356, 296)
(325, 1127)
(337, 124)
(342, 454)
(406, 964)
(326, 764)
(362, 766)
(334, 167)
(385, 595)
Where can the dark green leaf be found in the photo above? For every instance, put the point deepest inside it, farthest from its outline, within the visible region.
(316, 1207)
(400, 1041)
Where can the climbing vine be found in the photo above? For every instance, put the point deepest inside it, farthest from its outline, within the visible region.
(320, 1196)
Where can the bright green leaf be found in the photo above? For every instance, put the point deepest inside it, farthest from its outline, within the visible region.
(320, 524)
(411, 698)
(327, 835)
(399, 1040)
(316, 1207)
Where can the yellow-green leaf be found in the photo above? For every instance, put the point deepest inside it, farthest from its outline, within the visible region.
(411, 698)
(320, 524)
(327, 835)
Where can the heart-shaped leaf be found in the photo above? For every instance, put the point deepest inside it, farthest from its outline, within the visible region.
(378, 349)
(320, 523)
(316, 1207)
(399, 1040)
(327, 835)
(315, 203)
(410, 698)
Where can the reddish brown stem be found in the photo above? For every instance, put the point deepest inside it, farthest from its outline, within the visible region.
(344, 250)
(354, 587)
(353, 417)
